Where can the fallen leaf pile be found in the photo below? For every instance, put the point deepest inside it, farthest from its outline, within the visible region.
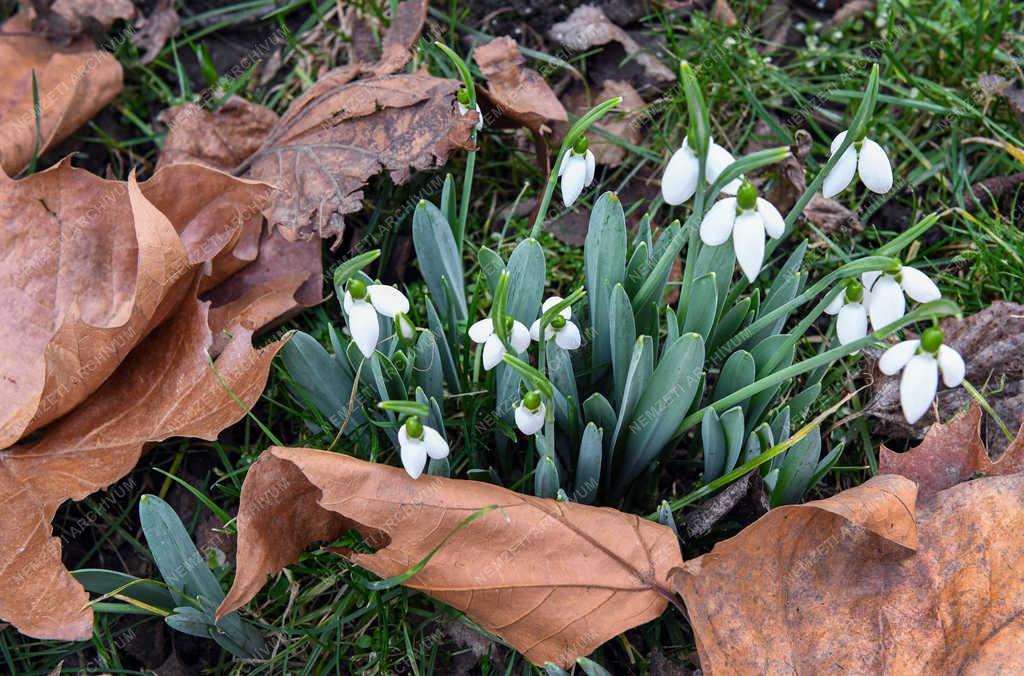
(516, 92)
(117, 293)
(554, 579)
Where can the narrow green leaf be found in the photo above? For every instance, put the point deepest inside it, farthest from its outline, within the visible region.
(438, 257)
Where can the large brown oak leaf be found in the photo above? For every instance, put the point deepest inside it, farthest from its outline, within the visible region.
(554, 579)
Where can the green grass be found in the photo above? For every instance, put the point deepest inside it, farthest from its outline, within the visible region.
(327, 621)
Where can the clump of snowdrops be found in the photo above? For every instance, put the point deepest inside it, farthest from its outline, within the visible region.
(586, 389)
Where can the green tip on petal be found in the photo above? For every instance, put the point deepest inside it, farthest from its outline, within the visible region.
(854, 291)
(532, 400)
(414, 427)
(746, 196)
(356, 289)
(931, 339)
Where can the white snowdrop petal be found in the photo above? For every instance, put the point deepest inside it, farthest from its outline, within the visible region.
(679, 181)
(841, 174)
(591, 166)
(388, 300)
(896, 357)
(535, 330)
(918, 285)
(717, 224)
(573, 180)
(480, 331)
(874, 168)
(774, 223)
(569, 337)
(362, 324)
(837, 141)
(887, 303)
(718, 159)
(868, 279)
(519, 337)
(434, 444)
(530, 422)
(918, 385)
(346, 303)
(952, 366)
(837, 304)
(748, 241)
(414, 457)
(852, 323)
(494, 351)
(550, 303)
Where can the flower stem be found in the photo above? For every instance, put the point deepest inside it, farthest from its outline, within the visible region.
(980, 398)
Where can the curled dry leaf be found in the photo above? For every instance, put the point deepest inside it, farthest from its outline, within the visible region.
(74, 82)
(952, 453)
(515, 91)
(342, 132)
(107, 346)
(588, 27)
(553, 579)
(153, 32)
(222, 138)
(864, 582)
(163, 389)
(65, 19)
(355, 122)
(992, 342)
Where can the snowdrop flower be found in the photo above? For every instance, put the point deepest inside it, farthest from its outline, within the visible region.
(362, 303)
(864, 157)
(852, 307)
(416, 441)
(680, 179)
(886, 290)
(566, 334)
(462, 98)
(921, 362)
(483, 333)
(530, 413)
(577, 171)
(747, 218)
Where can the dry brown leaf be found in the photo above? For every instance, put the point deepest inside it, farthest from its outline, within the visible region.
(74, 82)
(342, 132)
(992, 343)
(153, 31)
(222, 138)
(65, 19)
(588, 27)
(553, 579)
(517, 92)
(723, 14)
(952, 453)
(163, 389)
(865, 583)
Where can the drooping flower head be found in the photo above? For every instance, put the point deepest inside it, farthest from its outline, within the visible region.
(405, 329)
(576, 171)
(566, 334)
(462, 97)
(530, 413)
(864, 157)
(851, 306)
(416, 442)
(679, 182)
(921, 362)
(483, 333)
(747, 218)
(362, 303)
(886, 292)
